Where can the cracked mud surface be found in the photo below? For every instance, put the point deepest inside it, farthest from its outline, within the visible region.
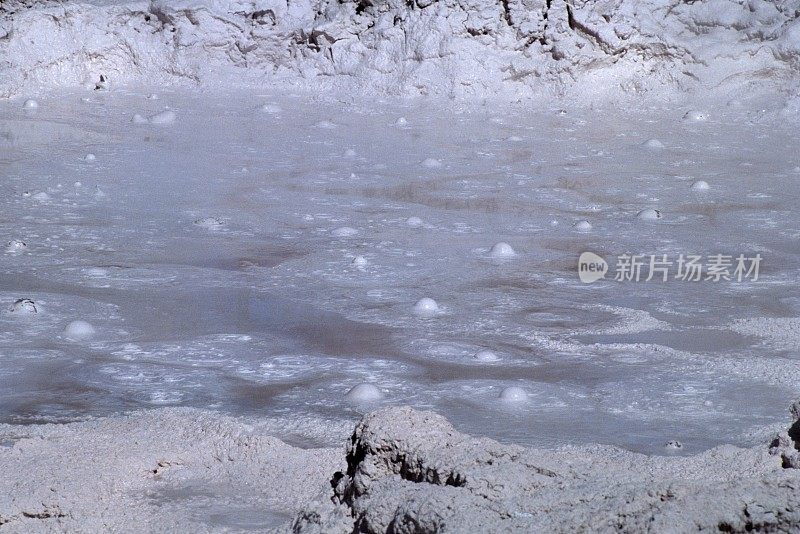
(178, 470)
(586, 49)
(410, 471)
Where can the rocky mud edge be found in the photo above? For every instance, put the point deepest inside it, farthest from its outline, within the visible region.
(410, 471)
(587, 50)
(188, 470)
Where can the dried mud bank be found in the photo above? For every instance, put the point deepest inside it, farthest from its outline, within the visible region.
(586, 49)
(410, 471)
(179, 470)
(169, 470)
